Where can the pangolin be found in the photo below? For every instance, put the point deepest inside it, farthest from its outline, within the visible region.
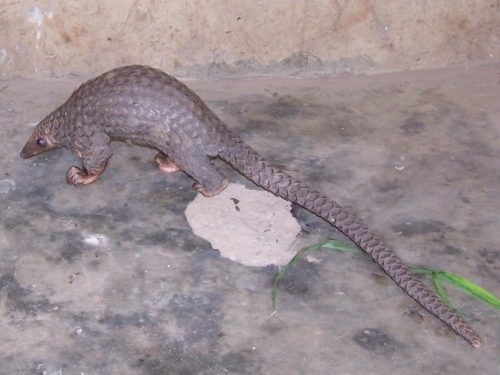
(148, 107)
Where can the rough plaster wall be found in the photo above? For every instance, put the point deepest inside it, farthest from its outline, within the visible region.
(64, 38)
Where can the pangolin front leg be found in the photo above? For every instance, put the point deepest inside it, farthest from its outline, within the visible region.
(95, 152)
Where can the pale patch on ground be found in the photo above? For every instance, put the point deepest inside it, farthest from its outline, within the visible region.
(96, 239)
(251, 234)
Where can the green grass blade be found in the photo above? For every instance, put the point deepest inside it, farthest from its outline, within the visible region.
(421, 271)
(330, 244)
(337, 245)
(469, 287)
(285, 269)
(443, 295)
(463, 284)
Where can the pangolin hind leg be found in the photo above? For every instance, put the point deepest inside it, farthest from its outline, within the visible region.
(165, 164)
(209, 181)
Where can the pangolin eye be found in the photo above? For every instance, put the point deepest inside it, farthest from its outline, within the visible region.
(40, 142)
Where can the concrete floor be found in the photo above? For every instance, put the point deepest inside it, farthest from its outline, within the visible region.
(109, 278)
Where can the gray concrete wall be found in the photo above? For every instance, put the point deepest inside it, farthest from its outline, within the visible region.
(210, 38)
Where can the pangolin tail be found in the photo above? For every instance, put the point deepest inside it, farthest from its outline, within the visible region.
(248, 162)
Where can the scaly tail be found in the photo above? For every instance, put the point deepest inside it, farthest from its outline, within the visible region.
(258, 170)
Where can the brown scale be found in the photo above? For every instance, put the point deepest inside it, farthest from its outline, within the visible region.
(148, 107)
